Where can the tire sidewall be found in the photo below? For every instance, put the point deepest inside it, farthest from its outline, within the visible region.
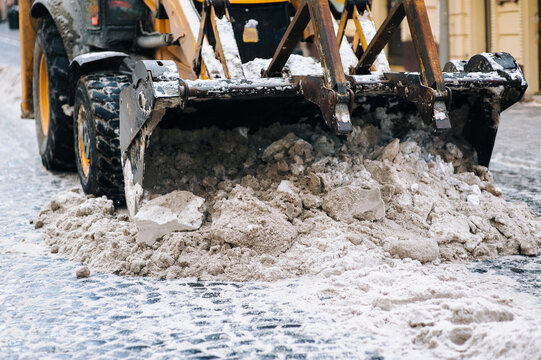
(82, 99)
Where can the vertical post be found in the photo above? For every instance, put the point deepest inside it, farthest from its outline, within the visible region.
(487, 26)
(539, 43)
(444, 32)
(27, 24)
(325, 38)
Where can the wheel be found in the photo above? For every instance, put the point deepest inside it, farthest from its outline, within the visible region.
(96, 135)
(50, 95)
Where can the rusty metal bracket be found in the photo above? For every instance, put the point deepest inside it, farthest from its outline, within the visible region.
(432, 104)
(428, 92)
(329, 102)
(331, 93)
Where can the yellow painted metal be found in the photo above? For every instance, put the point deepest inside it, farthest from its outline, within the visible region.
(250, 35)
(356, 43)
(151, 4)
(43, 96)
(177, 25)
(359, 28)
(172, 52)
(162, 25)
(27, 35)
(84, 162)
(342, 27)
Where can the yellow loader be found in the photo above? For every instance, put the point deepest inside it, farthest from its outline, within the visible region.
(100, 75)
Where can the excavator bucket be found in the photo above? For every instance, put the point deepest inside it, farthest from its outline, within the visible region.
(465, 99)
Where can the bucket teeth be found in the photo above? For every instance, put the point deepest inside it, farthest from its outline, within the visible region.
(343, 119)
(441, 116)
(483, 94)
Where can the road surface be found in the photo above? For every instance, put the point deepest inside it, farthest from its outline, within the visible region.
(46, 313)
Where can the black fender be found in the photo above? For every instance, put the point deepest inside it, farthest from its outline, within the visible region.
(68, 17)
(91, 62)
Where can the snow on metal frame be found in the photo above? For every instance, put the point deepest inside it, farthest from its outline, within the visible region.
(233, 61)
(346, 51)
(381, 64)
(231, 50)
(213, 65)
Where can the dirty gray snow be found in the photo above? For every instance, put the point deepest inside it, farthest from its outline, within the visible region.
(290, 200)
(283, 202)
(10, 88)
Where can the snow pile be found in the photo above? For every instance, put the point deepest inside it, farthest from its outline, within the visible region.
(296, 65)
(292, 200)
(440, 311)
(10, 88)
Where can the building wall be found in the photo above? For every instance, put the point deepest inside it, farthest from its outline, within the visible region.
(506, 28)
(467, 35)
(513, 28)
(530, 28)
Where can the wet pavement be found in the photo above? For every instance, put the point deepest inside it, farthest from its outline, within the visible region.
(516, 166)
(9, 45)
(45, 312)
(516, 163)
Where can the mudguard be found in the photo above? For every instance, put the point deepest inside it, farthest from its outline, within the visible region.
(91, 62)
(68, 17)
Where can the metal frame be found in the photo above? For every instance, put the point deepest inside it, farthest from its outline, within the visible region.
(209, 15)
(332, 93)
(157, 86)
(428, 91)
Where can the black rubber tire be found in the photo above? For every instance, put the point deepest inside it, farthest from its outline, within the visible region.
(55, 146)
(96, 107)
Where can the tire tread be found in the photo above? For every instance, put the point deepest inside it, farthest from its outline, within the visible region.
(104, 93)
(59, 153)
